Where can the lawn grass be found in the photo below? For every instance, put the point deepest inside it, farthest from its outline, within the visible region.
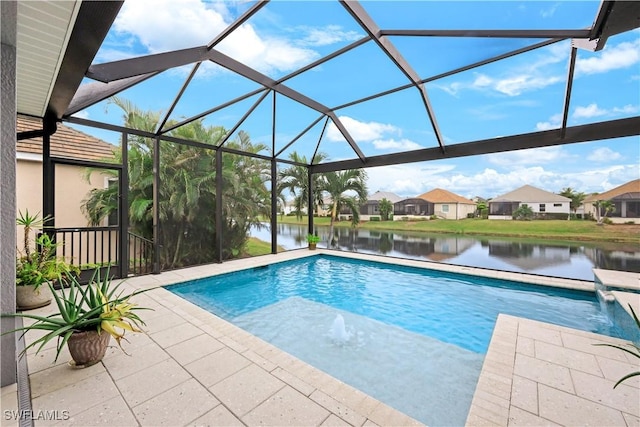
(559, 230)
(256, 247)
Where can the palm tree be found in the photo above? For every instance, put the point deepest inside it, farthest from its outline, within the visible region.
(295, 179)
(576, 198)
(336, 185)
(187, 193)
(608, 207)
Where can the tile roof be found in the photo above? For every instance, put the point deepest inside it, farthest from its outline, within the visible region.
(66, 142)
(438, 195)
(619, 192)
(379, 195)
(529, 193)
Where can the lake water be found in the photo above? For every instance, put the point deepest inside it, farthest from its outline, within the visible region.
(569, 260)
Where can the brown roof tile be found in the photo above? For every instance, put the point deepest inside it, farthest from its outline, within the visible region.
(629, 187)
(438, 195)
(66, 142)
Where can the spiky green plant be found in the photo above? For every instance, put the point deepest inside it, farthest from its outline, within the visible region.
(99, 306)
(632, 348)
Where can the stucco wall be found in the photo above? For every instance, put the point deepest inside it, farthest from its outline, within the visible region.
(8, 12)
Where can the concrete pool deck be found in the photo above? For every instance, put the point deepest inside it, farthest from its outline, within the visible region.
(193, 368)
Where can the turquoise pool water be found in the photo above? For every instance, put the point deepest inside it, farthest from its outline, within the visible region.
(412, 338)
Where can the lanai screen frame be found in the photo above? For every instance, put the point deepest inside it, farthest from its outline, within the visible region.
(613, 17)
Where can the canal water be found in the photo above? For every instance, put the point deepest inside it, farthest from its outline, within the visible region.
(574, 260)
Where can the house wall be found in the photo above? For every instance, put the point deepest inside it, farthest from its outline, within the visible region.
(71, 189)
(549, 207)
(8, 17)
(453, 210)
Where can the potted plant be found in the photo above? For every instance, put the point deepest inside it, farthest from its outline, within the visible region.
(87, 317)
(37, 266)
(312, 240)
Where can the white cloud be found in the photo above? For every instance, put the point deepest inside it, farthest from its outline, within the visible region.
(153, 24)
(622, 55)
(516, 159)
(399, 145)
(627, 109)
(327, 35)
(546, 13)
(554, 122)
(361, 131)
(590, 110)
(516, 85)
(603, 154)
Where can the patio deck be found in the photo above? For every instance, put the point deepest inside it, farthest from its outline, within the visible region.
(193, 368)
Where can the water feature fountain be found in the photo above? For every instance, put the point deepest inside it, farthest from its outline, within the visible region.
(338, 332)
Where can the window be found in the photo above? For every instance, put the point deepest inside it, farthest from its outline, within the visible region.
(543, 207)
(557, 205)
(445, 208)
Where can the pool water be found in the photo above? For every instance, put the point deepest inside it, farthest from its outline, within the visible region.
(412, 338)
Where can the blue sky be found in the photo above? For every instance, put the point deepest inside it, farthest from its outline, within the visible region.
(518, 95)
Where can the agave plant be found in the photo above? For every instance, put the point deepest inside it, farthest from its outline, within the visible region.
(633, 349)
(98, 306)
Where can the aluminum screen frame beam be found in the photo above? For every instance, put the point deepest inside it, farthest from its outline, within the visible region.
(91, 27)
(368, 24)
(266, 81)
(575, 134)
(511, 34)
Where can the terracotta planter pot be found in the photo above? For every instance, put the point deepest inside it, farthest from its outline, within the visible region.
(88, 347)
(28, 297)
(312, 246)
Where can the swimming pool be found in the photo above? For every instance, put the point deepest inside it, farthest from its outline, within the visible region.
(412, 338)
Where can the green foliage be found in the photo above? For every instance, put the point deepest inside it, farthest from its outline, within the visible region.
(603, 208)
(37, 266)
(576, 198)
(295, 179)
(188, 199)
(386, 209)
(312, 238)
(523, 213)
(632, 348)
(98, 306)
(336, 186)
(374, 218)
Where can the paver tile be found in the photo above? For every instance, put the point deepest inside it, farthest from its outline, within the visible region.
(176, 406)
(293, 381)
(77, 397)
(631, 420)
(586, 344)
(143, 385)
(246, 389)
(543, 372)
(192, 349)
(112, 412)
(335, 421)
(519, 417)
(598, 389)
(343, 411)
(218, 416)
(170, 336)
(60, 376)
(614, 370)
(524, 394)
(530, 330)
(568, 409)
(137, 359)
(217, 366)
(525, 346)
(287, 407)
(567, 357)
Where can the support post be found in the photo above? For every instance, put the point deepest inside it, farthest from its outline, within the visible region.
(310, 201)
(274, 207)
(219, 205)
(123, 208)
(156, 206)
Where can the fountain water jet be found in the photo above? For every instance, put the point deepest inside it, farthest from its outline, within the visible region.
(339, 332)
